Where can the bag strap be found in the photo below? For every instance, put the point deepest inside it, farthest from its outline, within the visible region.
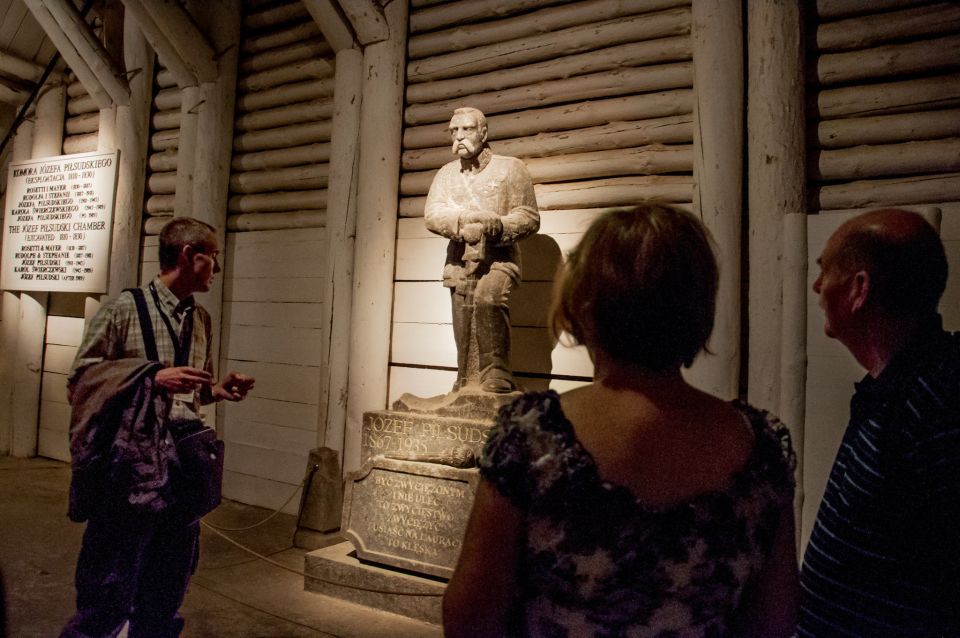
(146, 325)
(181, 344)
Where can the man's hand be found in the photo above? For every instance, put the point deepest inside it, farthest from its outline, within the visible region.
(472, 233)
(182, 379)
(490, 222)
(233, 387)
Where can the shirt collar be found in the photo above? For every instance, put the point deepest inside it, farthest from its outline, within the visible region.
(927, 341)
(175, 308)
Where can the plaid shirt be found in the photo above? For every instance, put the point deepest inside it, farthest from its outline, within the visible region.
(114, 333)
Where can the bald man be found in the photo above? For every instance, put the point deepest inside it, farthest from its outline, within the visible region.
(884, 555)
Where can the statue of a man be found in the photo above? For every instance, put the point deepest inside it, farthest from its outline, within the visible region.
(485, 204)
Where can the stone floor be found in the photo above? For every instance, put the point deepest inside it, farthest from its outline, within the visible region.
(233, 593)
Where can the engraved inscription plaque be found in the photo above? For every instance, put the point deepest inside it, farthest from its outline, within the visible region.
(409, 514)
(390, 431)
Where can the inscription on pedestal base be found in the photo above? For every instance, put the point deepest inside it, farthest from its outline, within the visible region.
(409, 514)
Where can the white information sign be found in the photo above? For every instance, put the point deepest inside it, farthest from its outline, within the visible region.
(57, 223)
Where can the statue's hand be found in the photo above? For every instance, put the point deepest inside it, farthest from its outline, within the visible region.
(471, 233)
(492, 226)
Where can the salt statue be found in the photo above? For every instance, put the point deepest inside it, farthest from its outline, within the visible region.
(484, 204)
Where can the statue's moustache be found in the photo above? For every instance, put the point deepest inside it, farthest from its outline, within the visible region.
(470, 148)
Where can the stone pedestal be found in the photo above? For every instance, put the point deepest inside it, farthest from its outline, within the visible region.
(405, 512)
(335, 571)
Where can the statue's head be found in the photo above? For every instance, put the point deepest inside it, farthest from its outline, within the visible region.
(468, 132)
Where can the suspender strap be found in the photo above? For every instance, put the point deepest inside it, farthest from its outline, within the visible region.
(146, 325)
(181, 344)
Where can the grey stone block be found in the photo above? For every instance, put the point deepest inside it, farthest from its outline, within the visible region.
(336, 571)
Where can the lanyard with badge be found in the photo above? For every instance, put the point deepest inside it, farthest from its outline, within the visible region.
(181, 344)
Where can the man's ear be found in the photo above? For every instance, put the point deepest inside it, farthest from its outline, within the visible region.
(186, 253)
(483, 135)
(859, 290)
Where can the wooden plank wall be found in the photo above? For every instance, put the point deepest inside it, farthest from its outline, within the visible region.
(63, 335)
(596, 96)
(284, 113)
(271, 329)
(65, 310)
(275, 261)
(884, 130)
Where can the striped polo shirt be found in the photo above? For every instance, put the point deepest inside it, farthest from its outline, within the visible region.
(883, 556)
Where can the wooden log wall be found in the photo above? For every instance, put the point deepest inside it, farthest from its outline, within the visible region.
(883, 119)
(283, 121)
(82, 121)
(885, 106)
(595, 95)
(160, 190)
(275, 253)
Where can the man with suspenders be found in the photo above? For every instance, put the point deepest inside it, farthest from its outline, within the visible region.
(142, 371)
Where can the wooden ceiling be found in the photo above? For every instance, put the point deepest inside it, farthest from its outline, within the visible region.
(21, 40)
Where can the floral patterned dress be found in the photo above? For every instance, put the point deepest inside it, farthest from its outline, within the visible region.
(599, 563)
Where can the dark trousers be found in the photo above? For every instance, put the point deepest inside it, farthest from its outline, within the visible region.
(133, 567)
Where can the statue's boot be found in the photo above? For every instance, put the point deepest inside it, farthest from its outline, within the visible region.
(493, 338)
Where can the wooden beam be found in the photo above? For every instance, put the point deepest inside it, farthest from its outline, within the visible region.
(718, 178)
(108, 73)
(182, 74)
(190, 44)
(793, 345)
(777, 185)
(336, 30)
(881, 28)
(133, 132)
(73, 57)
(341, 222)
(12, 95)
(276, 221)
(381, 123)
(19, 67)
(190, 108)
(367, 19)
(213, 148)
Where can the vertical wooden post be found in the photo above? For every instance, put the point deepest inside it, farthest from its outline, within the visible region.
(190, 107)
(793, 350)
(214, 141)
(22, 149)
(32, 328)
(381, 122)
(107, 130)
(341, 232)
(718, 178)
(132, 137)
(777, 185)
